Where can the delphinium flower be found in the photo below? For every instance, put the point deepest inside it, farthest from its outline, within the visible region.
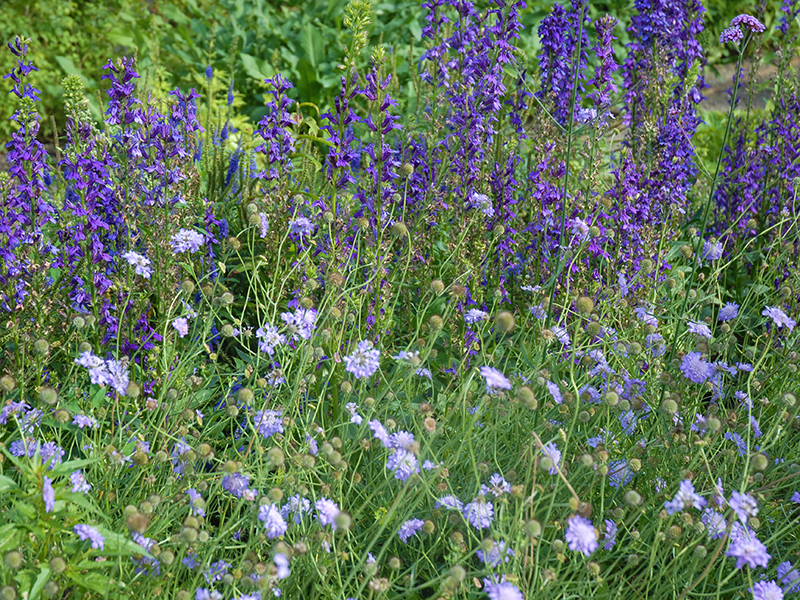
(79, 483)
(409, 528)
(789, 577)
(296, 507)
(552, 452)
(767, 590)
(494, 379)
(301, 323)
(474, 315)
(479, 513)
(699, 328)
(239, 485)
(327, 511)
(86, 532)
(268, 423)
(695, 368)
(580, 535)
(780, 318)
(364, 360)
(48, 495)
(274, 524)
(269, 338)
(84, 421)
(603, 80)
(610, 535)
(187, 240)
(181, 325)
(140, 263)
(744, 505)
(497, 486)
(728, 312)
(685, 498)
(502, 590)
(746, 548)
(498, 555)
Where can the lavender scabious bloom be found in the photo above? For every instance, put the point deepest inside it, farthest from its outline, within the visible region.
(479, 513)
(282, 564)
(79, 483)
(728, 312)
(379, 432)
(364, 361)
(181, 325)
(712, 250)
(85, 532)
(552, 452)
(504, 590)
(497, 486)
(238, 485)
(610, 536)
(301, 322)
(140, 264)
(580, 535)
(327, 511)
(695, 368)
(301, 227)
(196, 502)
(269, 338)
(746, 548)
(187, 240)
(795, 497)
(273, 521)
(84, 421)
(105, 372)
(780, 318)
(268, 423)
(205, 594)
(48, 495)
(403, 463)
(352, 408)
(744, 505)
(409, 528)
(296, 507)
(495, 379)
(474, 315)
(731, 34)
(698, 328)
(789, 577)
(767, 590)
(450, 502)
(748, 22)
(685, 498)
(714, 522)
(497, 555)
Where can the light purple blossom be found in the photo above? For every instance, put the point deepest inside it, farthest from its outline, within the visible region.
(731, 34)
(715, 523)
(748, 22)
(301, 322)
(479, 513)
(273, 521)
(695, 368)
(685, 498)
(269, 338)
(780, 318)
(580, 535)
(187, 240)
(352, 408)
(698, 328)
(499, 554)
(767, 590)
(268, 423)
(84, 421)
(712, 250)
(450, 502)
(282, 564)
(79, 483)
(48, 495)
(728, 312)
(301, 226)
(497, 486)
(503, 590)
(181, 325)
(789, 577)
(610, 536)
(140, 264)
(296, 507)
(409, 528)
(379, 432)
(86, 532)
(364, 361)
(403, 463)
(474, 315)
(327, 511)
(495, 379)
(744, 505)
(746, 548)
(552, 452)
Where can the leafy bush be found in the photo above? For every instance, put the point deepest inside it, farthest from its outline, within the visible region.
(496, 340)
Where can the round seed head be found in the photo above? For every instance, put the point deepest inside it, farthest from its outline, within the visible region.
(505, 322)
(584, 305)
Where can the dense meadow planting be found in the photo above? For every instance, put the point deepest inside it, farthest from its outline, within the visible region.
(479, 332)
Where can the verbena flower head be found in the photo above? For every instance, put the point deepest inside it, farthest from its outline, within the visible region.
(495, 379)
(685, 498)
(273, 521)
(86, 532)
(748, 22)
(767, 590)
(746, 548)
(364, 361)
(731, 34)
(187, 240)
(479, 513)
(728, 312)
(580, 535)
(695, 368)
(409, 528)
(780, 318)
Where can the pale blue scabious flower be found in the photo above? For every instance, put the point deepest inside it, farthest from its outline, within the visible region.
(619, 473)
(48, 495)
(728, 312)
(379, 432)
(352, 408)
(699, 328)
(327, 511)
(499, 553)
(237, 484)
(204, 594)
(712, 250)
(746, 548)
(503, 590)
(282, 564)
(552, 452)
(610, 536)
(580, 535)
(479, 513)
(780, 318)
(301, 226)
(695, 368)
(497, 486)
(715, 523)
(86, 532)
(767, 590)
(474, 315)
(296, 507)
(269, 338)
(79, 483)
(364, 361)
(84, 421)
(140, 264)
(555, 392)
(403, 463)
(268, 423)
(301, 323)
(645, 315)
(274, 523)
(450, 502)
(495, 379)
(187, 240)
(795, 497)
(685, 498)
(744, 505)
(789, 577)
(181, 325)
(196, 502)
(409, 528)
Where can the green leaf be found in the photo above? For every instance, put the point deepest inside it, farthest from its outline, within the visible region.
(70, 466)
(9, 535)
(93, 581)
(6, 484)
(117, 544)
(38, 585)
(66, 63)
(81, 500)
(255, 68)
(311, 43)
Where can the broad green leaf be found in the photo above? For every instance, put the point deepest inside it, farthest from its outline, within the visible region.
(311, 43)
(93, 581)
(6, 484)
(117, 544)
(66, 63)
(9, 536)
(255, 68)
(38, 585)
(70, 466)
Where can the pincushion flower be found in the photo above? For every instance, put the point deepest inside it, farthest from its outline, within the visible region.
(746, 548)
(685, 498)
(409, 528)
(695, 368)
(187, 240)
(274, 523)
(140, 263)
(580, 535)
(780, 318)
(364, 361)
(85, 532)
(495, 379)
(728, 312)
